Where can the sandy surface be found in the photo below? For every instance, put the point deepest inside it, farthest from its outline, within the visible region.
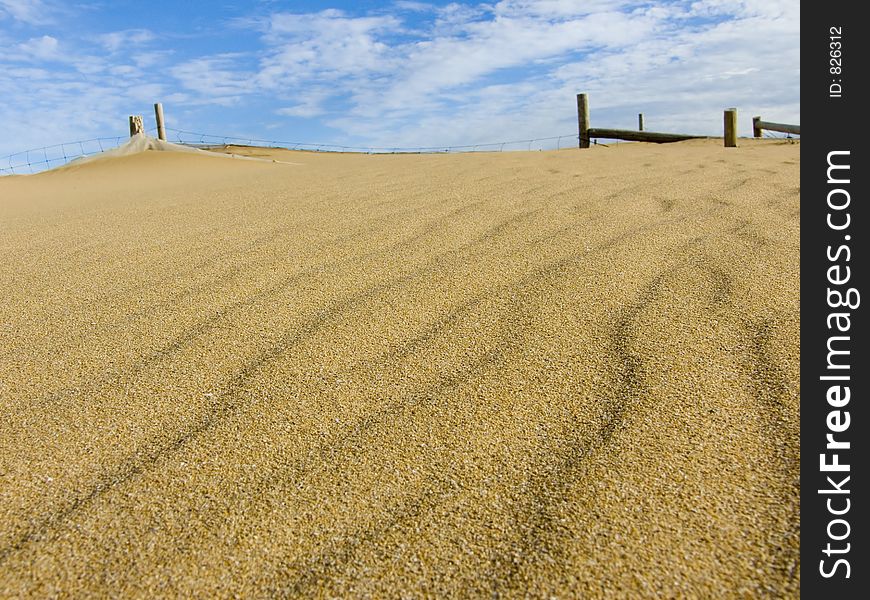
(568, 374)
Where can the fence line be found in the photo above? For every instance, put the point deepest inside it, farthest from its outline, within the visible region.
(208, 139)
(38, 159)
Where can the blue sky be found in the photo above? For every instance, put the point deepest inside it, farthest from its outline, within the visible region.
(392, 73)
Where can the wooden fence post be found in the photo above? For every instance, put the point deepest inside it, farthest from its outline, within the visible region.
(640, 121)
(583, 119)
(161, 127)
(136, 125)
(730, 127)
(756, 130)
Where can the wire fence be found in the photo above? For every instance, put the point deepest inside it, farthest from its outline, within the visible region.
(778, 135)
(193, 138)
(40, 159)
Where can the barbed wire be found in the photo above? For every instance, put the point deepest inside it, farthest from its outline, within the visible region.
(46, 157)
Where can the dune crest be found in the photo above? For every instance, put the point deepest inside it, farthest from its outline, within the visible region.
(142, 142)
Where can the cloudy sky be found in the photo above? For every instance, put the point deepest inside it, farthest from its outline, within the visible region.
(392, 73)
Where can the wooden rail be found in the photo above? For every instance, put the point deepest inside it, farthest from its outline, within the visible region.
(640, 136)
(758, 126)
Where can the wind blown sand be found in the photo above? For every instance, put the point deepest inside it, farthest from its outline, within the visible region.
(568, 374)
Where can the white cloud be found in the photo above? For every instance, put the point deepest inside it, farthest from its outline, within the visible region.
(123, 70)
(555, 8)
(324, 45)
(214, 79)
(411, 5)
(126, 39)
(48, 49)
(453, 18)
(144, 60)
(490, 46)
(32, 12)
(308, 104)
(45, 48)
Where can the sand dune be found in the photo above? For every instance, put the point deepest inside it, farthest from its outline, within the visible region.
(568, 374)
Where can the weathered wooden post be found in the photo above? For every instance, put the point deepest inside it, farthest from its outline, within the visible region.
(161, 127)
(136, 125)
(583, 119)
(640, 121)
(756, 130)
(730, 127)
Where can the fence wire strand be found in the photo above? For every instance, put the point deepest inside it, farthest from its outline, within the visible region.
(196, 138)
(59, 154)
